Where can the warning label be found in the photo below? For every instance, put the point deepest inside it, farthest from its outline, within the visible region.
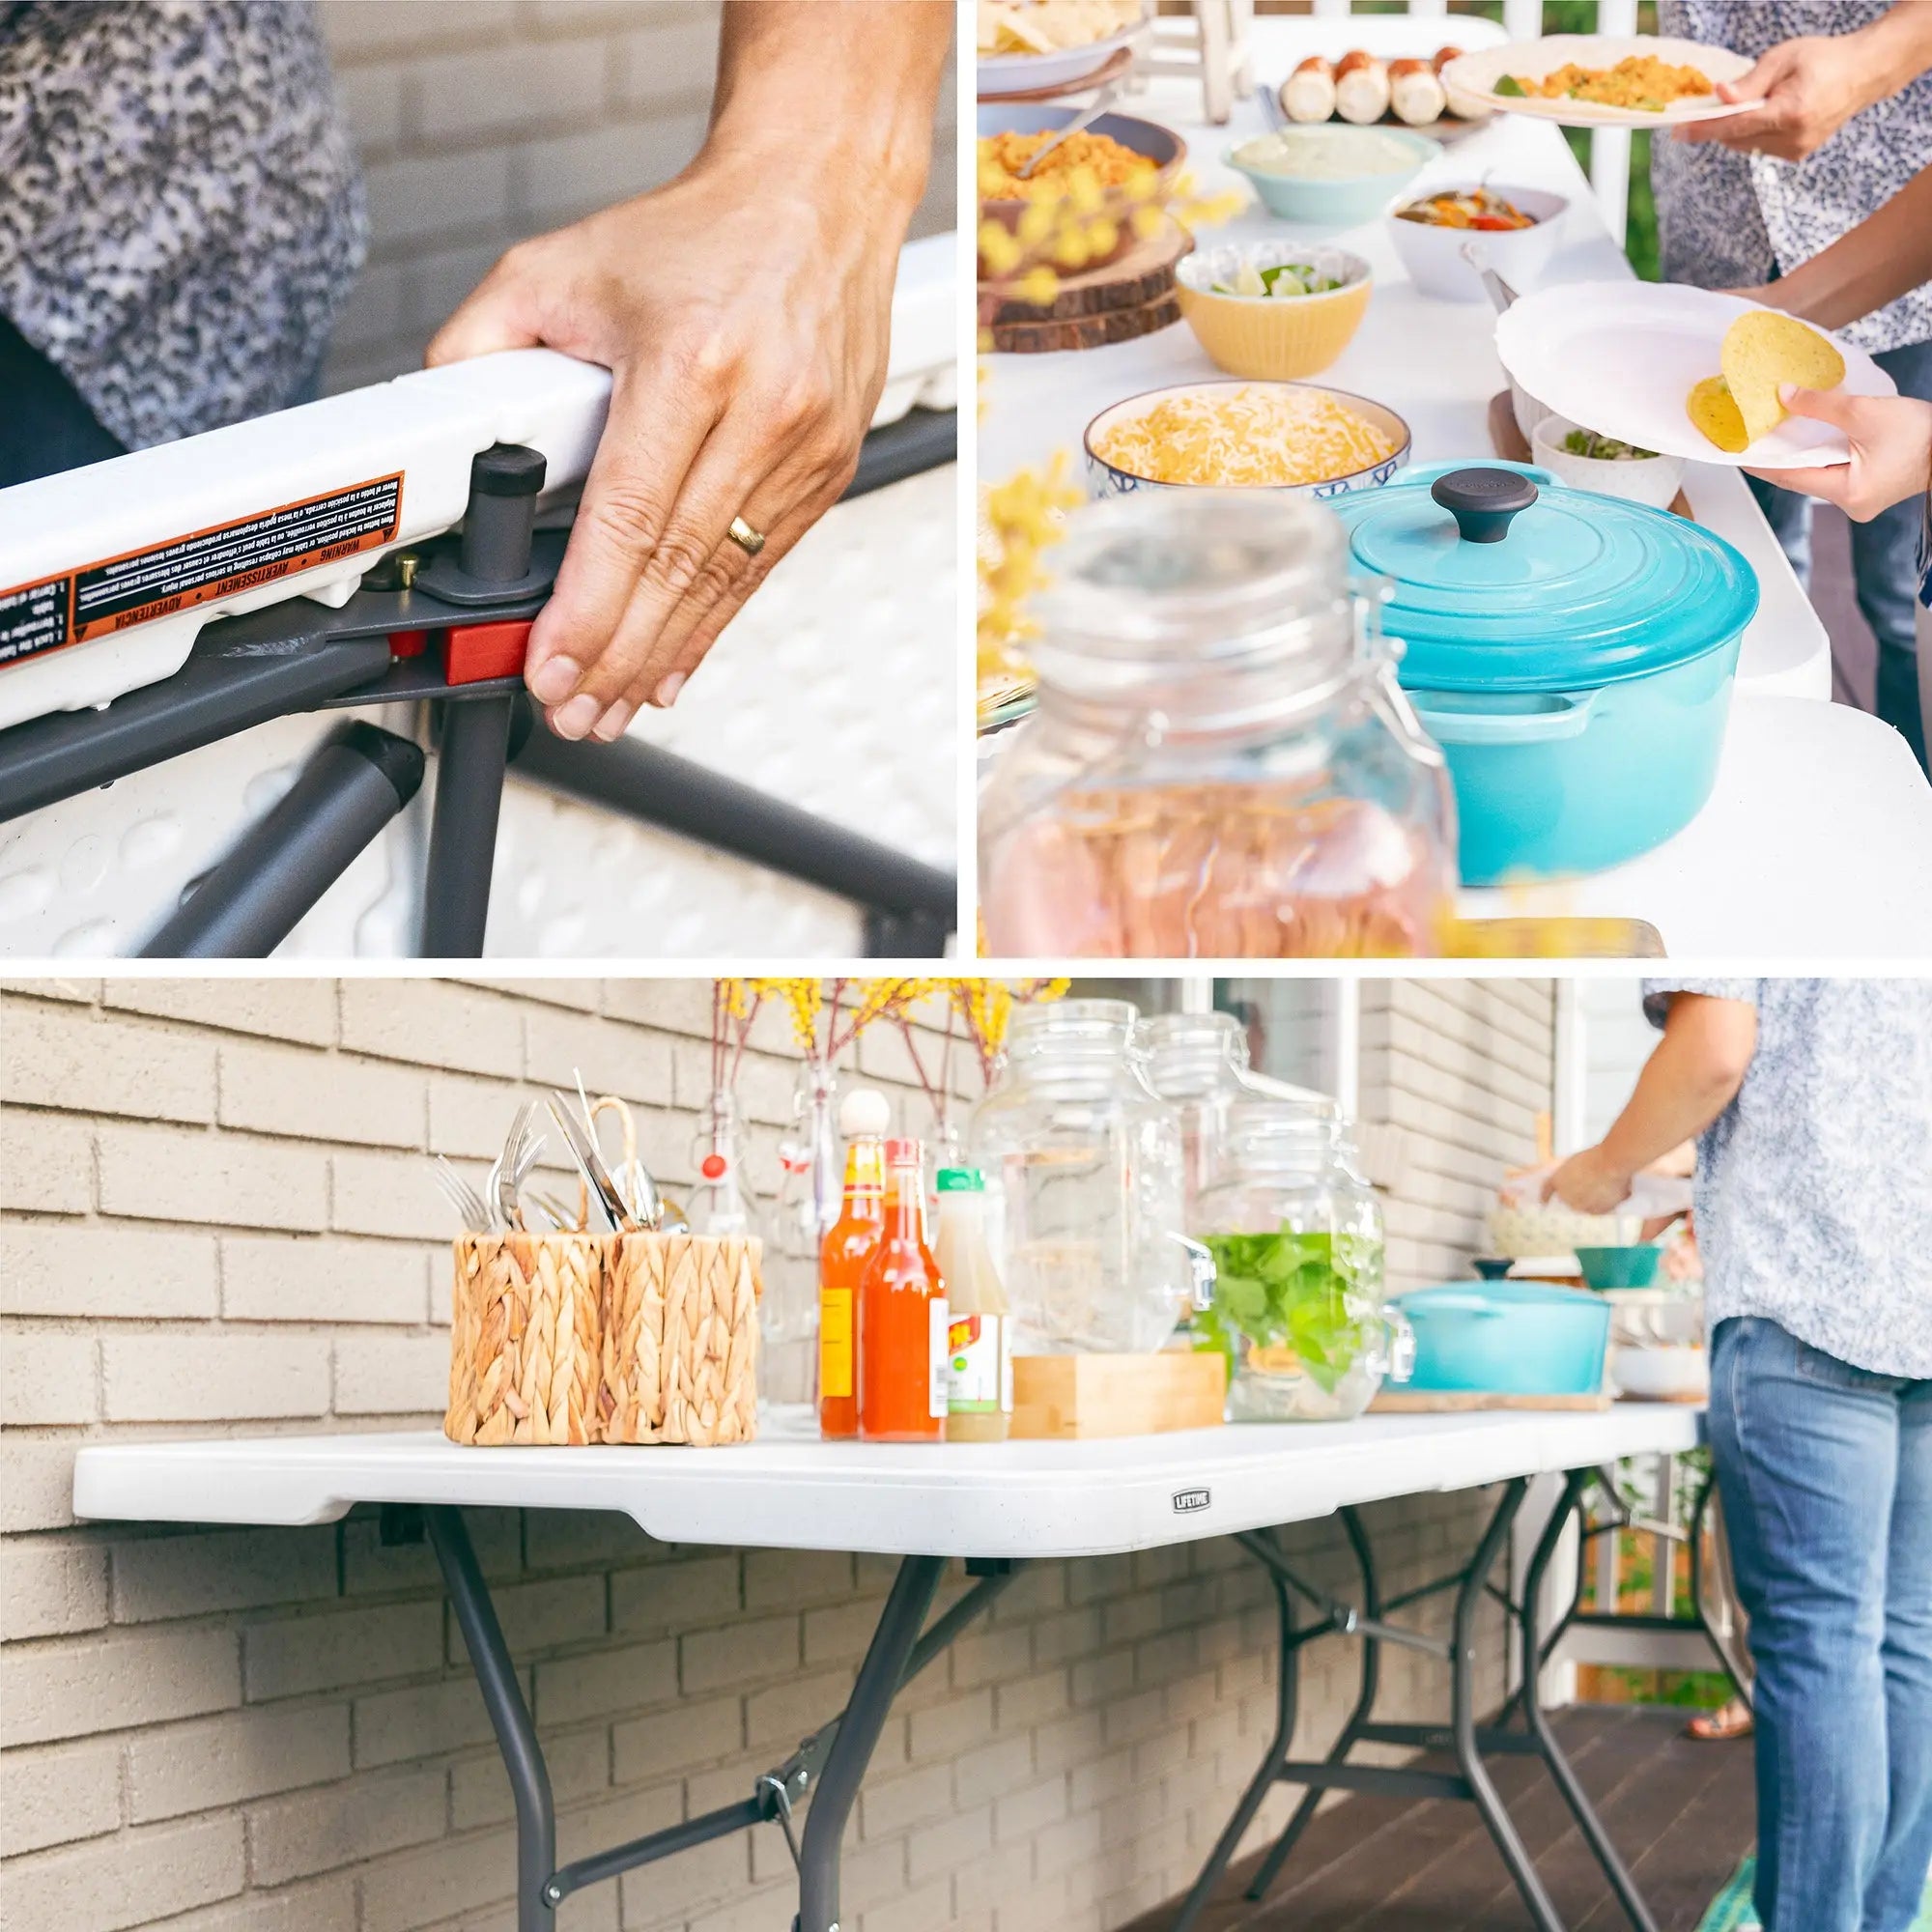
(120, 592)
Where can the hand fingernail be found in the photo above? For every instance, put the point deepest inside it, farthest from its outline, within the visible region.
(1785, 392)
(666, 695)
(554, 679)
(610, 726)
(577, 716)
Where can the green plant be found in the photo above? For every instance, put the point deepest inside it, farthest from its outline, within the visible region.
(1288, 1290)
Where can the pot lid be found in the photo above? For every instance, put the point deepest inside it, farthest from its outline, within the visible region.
(1505, 580)
(1496, 1297)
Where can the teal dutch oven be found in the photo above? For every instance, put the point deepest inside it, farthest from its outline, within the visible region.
(1507, 1337)
(1573, 655)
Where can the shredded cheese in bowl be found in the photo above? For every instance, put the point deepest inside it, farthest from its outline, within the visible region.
(1266, 435)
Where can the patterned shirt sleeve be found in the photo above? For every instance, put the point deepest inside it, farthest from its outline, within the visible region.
(1657, 994)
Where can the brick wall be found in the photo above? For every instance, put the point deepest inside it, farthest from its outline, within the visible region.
(214, 1215)
(481, 122)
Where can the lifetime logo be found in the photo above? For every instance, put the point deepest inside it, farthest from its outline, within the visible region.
(1187, 1501)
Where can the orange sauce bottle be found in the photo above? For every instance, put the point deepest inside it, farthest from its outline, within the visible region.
(902, 1316)
(844, 1255)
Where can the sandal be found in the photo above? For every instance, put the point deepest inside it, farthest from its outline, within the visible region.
(1731, 1721)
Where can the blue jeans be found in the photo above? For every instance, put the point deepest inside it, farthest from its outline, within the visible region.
(1825, 1472)
(1885, 562)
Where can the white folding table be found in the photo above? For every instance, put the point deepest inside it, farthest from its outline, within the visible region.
(995, 1506)
(1819, 833)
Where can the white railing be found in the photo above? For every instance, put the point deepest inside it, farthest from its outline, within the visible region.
(1522, 20)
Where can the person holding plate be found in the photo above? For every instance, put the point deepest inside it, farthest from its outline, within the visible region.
(1844, 122)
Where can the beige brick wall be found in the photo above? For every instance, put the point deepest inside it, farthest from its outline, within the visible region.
(214, 1214)
(481, 122)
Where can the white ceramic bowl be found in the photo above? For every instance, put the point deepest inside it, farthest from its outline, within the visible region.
(1433, 256)
(1659, 1374)
(1001, 75)
(1638, 479)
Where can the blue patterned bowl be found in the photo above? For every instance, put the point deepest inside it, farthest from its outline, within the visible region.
(1104, 479)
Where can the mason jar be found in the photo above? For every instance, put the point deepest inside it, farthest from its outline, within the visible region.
(1222, 764)
(1083, 1171)
(1298, 1241)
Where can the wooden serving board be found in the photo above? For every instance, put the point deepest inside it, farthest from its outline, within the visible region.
(1466, 1401)
(1508, 440)
(1081, 1398)
(1131, 295)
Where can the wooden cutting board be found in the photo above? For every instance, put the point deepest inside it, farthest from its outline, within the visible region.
(1466, 1401)
(1131, 295)
(1069, 1398)
(1507, 437)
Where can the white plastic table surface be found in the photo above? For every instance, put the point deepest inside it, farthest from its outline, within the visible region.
(1015, 1499)
(1434, 362)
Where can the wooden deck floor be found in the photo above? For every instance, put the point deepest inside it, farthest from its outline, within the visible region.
(1681, 1813)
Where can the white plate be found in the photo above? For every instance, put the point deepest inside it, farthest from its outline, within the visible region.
(1623, 356)
(1065, 67)
(1476, 75)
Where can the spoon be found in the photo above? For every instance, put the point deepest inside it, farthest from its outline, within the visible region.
(1082, 121)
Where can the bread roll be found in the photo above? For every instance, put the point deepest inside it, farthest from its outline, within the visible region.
(1308, 94)
(1361, 88)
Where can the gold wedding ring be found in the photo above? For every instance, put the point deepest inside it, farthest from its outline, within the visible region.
(748, 540)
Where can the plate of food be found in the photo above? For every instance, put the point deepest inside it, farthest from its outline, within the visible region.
(1687, 372)
(1365, 88)
(1598, 80)
(1027, 44)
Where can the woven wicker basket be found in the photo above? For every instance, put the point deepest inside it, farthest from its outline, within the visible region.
(525, 1338)
(680, 1350)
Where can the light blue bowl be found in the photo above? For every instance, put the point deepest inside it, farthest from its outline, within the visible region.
(1342, 202)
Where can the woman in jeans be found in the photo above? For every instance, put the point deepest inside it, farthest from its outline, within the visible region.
(1812, 1101)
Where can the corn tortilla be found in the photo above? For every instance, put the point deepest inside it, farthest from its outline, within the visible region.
(1714, 411)
(1764, 348)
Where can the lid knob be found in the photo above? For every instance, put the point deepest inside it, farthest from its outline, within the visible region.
(1483, 502)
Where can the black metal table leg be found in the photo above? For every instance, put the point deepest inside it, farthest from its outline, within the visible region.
(471, 757)
(1364, 1710)
(880, 1675)
(1463, 1708)
(1529, 1617)
(1266, 1776)
(509, 1715)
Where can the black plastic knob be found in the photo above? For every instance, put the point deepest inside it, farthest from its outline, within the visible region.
(1483, 502)
(507, 469)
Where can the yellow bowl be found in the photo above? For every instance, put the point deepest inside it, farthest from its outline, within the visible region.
(1272, 339)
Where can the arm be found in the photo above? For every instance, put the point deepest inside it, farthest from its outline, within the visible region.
(1885, 256)
(1810, 87)
(744, 311)
(1688, 1081)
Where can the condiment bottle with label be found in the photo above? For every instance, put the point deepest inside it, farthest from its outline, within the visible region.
(902, 1316)
(847, 1250)
(979, 1364)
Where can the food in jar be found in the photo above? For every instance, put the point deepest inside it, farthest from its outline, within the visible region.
(1046, 26)
(1295, 1300)
(1335, 154)
(1361, 87)
(1365, 88)
(1416, 92)
(1288, 279)
(1105, 159)
(1246, 435)
(1638, 82)
(1467, 207)
(1260, 871)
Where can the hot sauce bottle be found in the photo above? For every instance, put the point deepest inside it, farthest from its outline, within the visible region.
(902, 1316)
(843, 1258)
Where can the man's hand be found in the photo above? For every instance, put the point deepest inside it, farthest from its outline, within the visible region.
(744, 311)
(1589, 1182)
(1891, 450)
(1807, 90)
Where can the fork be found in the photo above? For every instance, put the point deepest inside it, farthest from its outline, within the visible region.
(471, 1208)
(520, 1154)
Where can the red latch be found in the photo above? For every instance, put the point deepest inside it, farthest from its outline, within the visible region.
(408, 643)
(473, 652)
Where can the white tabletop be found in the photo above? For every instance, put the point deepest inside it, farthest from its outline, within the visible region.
(1818, 838)
(1016, 1500)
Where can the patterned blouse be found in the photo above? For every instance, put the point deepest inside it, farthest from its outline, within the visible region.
(1725, 219)
(1814, 1185)
(180, 212)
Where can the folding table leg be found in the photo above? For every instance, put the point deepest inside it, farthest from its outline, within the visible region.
(470, 761)
(509, 1715)
(1463, 1707)
(863, 1719)
(1264, 1778)
(1529, 1614)
(1365, 1704)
